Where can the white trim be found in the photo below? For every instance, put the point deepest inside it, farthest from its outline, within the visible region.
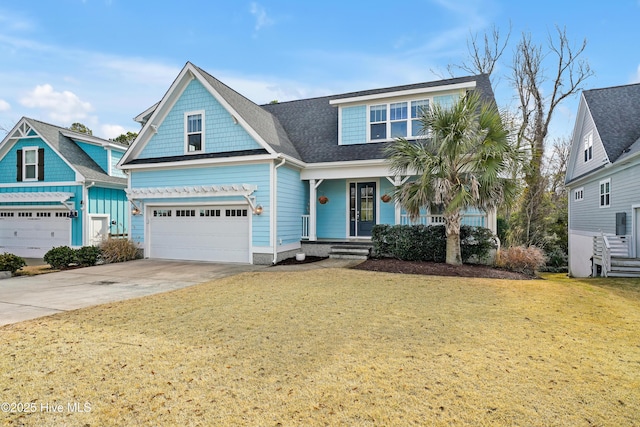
(40, 184)
(600, 193)
(93, 140)
(202, 132)
(578, 194)
(377, 96)
(35, 197)
(346, 170)
(261, 158)
(190, 191)
(24, 163)
(139, 118)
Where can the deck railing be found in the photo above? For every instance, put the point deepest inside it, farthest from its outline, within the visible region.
(305, 226)
(606, 247)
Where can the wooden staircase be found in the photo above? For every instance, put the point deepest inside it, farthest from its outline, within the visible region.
(612, 255)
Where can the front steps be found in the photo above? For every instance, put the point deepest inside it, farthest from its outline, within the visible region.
(624, 267)
(360, 252)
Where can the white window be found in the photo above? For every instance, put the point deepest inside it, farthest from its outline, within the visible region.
(588, 147)
(605, 193)
(30, 164)
(194, 132)
(396, 120)
(578, 194)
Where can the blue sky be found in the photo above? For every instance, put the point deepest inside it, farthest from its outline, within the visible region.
(101, 62)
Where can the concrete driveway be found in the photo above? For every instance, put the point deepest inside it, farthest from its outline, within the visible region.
(29, 297)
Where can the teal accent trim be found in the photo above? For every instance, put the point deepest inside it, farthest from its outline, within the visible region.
(97, 154)
(55, 169)
(354, 125)
(221, 133)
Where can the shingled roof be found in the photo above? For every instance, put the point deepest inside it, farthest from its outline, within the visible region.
(80, 160)
(312, 124)
(616, 114)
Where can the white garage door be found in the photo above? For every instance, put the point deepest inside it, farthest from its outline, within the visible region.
(208, 233)
(31, 234)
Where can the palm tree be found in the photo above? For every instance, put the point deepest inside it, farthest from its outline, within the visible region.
(462, 162)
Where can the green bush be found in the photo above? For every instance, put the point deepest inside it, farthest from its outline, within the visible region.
(429, 243)
(11, 262)
(87, 256)
(118, 250)
(60, 257)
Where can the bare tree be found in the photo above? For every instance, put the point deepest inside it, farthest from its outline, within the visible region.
(483, 58)
(569, 71)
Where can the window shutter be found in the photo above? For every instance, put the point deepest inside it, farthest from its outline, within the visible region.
(40, 164)
(19, 165)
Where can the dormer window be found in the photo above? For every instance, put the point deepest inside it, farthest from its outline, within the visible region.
(194, 132)
(396, 120)
(588, 147)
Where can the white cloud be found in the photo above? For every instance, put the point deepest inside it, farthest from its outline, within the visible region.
(4, 105)
(62, 106)
(262, 20)
(111, 131)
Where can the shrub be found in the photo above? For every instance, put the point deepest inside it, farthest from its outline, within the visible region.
(87, 256)
(521, 259)
(60, 257)
(11, 262)
(429, 243)
(118, 250)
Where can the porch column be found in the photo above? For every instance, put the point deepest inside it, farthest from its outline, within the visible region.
(312, 210)
(313, 193)
(397, 182)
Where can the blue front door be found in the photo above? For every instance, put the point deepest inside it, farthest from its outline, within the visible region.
(362, 208)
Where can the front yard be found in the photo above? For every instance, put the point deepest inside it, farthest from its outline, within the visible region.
(335, 347)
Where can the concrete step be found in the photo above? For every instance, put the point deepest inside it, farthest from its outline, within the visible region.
(350, 252)
(347, 256)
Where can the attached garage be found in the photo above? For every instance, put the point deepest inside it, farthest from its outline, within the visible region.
(201, 233)
(31, 233)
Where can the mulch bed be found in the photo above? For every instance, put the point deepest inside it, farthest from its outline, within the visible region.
(307, 260)
(392, 265)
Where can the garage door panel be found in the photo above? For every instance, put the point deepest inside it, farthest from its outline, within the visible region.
(203, 233)
(31, 234)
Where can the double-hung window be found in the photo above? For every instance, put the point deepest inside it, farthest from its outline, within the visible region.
(30, 164)
(396, 120)
(194, 132)
(605, 193)
(588, 147)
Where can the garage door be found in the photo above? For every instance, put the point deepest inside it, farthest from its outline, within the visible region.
(31, 234)
(208, 233)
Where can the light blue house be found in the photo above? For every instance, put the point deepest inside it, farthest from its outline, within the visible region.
(213, 176)
(58, 187)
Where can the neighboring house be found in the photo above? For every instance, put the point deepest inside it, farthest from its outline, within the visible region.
(58, 187)
(215, 177)
(603, 180)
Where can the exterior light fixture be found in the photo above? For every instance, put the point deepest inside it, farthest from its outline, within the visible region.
(258, 210)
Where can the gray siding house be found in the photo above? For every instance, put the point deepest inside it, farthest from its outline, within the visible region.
(603, 183)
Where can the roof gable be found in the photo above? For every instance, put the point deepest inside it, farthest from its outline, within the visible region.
(250, 121)
(616, 114)
(65, 148)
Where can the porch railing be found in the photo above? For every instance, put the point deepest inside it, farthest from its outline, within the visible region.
(477, 220)
(305, 226)
(606, 247)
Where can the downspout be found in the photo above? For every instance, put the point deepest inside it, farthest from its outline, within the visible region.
(274, 219)
(85, 214)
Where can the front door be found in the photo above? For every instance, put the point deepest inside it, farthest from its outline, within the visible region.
(362, 208)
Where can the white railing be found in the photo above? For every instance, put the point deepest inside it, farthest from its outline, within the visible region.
(606, 247)
(476, 220)
(305, 226)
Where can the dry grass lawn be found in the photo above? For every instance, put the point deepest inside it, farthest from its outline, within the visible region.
(336, 347)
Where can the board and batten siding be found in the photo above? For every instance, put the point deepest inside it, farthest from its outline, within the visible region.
(255, 174)
(587, 215)
(332, 216)
(291, 206)
(112, 202)
(56, 170)
(221, 133)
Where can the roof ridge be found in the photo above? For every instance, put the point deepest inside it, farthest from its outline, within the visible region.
(612, 87)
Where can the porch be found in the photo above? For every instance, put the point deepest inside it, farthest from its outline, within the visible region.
(612, 257)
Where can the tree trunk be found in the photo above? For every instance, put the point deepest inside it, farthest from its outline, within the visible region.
(454, 256)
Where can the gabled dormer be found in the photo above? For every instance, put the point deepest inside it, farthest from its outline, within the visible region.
(104, 152)
(384, 116)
